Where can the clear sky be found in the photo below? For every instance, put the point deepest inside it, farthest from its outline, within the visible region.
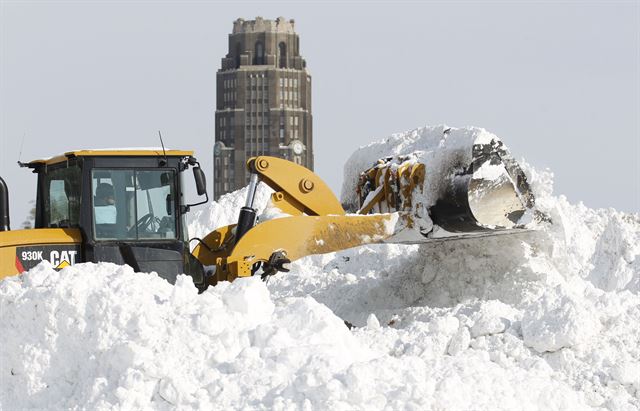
(559, 82)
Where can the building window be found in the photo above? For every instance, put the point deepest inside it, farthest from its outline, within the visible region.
(238, 48)
(283, 55)
(259, 58)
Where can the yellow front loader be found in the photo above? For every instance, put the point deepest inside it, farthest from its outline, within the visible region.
(129, 207)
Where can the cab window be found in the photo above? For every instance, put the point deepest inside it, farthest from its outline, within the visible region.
(132, 204)
(61, 194)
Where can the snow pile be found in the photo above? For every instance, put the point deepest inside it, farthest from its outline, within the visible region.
(544, 320)
(225, 211)
(441, 149)
(103, 336)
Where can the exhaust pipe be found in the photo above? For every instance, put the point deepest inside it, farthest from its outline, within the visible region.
(4, 206)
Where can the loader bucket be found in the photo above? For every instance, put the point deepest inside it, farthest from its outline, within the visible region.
(492, 193)
(486, 194)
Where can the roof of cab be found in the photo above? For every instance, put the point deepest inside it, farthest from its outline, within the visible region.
(111, 152)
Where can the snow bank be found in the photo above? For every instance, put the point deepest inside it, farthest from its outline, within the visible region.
(225, 211)
(441, 149)
(546, 320)
(104, 336)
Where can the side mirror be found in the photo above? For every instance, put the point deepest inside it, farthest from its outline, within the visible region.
(201, 181)
(201, 185)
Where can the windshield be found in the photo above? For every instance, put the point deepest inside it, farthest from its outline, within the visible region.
(132, 204)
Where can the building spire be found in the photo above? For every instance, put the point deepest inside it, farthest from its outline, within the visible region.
(263, 101)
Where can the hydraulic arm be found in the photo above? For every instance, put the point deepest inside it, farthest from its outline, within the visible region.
(317, 224)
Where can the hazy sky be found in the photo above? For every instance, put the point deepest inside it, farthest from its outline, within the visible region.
(558, 82)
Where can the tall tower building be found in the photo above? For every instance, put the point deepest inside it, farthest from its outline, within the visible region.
(263, 101)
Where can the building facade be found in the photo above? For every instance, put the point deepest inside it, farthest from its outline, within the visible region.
(263, 101)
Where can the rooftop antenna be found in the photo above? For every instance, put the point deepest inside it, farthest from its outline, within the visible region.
(20, 163)
(163, 150)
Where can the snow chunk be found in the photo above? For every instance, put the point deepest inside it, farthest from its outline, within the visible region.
(488, 324)
(249, 296)
(616, 261)
(459, 342)
(558, 320)
(372, 321)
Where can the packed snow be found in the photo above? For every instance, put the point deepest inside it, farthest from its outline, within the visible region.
(542, 320)
(440, 148)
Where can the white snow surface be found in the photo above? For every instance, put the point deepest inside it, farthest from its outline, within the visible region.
(545, 320)
(441, 149)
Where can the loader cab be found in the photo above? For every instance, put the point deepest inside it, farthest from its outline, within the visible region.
(128, 206)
